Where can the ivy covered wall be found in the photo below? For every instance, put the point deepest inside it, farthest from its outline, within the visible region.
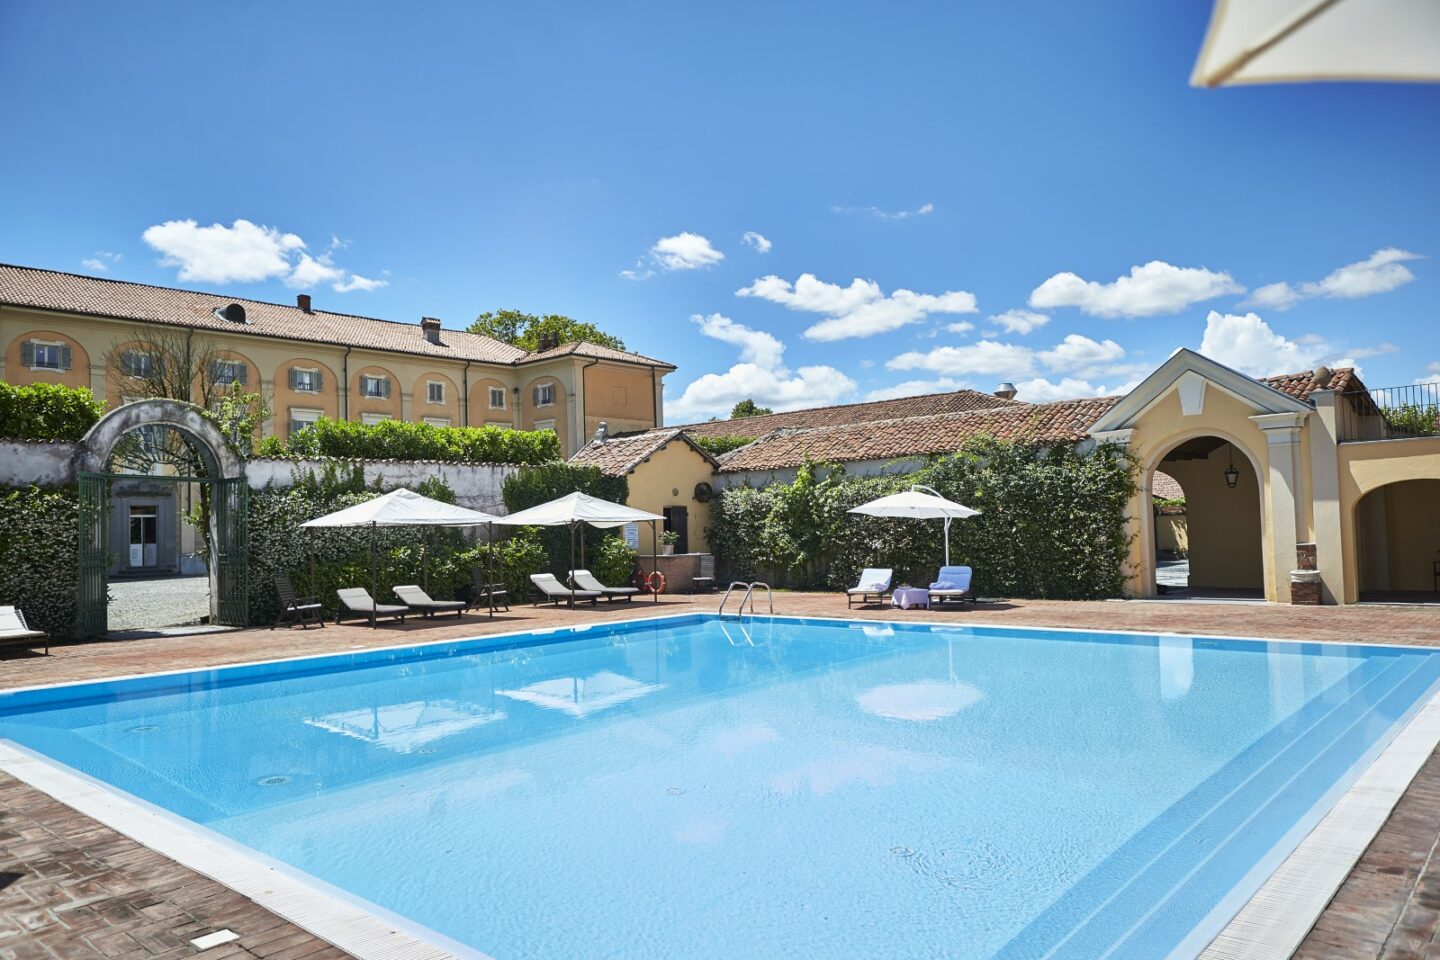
(1051, 524)
(38, 560)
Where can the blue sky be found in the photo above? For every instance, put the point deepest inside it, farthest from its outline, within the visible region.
(914, 170)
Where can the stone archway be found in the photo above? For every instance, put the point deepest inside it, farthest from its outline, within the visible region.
(1397, 540)
(223, 473)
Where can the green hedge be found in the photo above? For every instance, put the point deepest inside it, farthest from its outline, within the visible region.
(533, 485)
(1052, 524)
(397, 440)
(39, 567)
(718, 446)
(47, 411)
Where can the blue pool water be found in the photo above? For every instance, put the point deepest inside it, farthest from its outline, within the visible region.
(774, 788)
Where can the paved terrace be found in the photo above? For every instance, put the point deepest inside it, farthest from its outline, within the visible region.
(71, 888)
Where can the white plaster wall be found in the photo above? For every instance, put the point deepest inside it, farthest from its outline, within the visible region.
(855, 468)
(23, 462)
(476, 485)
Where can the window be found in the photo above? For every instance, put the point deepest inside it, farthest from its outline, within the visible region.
(44, 355)
(497, 398)
(545, 425)
(137, 363)
(434, 391)
(372, 386)
(545, 395)
(300, 419)
(226, 372)
(438, 421)
(370, 419)
(303, 380)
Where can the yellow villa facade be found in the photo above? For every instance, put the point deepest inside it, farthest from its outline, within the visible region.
(307, 363)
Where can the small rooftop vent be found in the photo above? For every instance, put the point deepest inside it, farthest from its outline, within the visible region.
(302, 300)
(234, 313)
(1006, 391)
(602, 432)
(431, 328)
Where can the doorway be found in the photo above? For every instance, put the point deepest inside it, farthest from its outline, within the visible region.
(1206, 522)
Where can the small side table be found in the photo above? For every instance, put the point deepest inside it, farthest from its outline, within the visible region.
(907, 597)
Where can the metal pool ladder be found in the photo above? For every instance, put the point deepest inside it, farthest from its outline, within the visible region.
(749, 594)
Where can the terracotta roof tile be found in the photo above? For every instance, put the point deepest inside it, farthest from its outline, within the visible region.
(1164, 485)
(927, 405)
(598, 351)
(618, 456)
(96, 296)
(1301, 385)
(1065, 421)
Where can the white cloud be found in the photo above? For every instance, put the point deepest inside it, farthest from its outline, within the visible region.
(1381, 272)
(1083, 355)
(102, 260)
(684, 251)
(985, 356)
(1020, 321)
(917, 388)
(756, 241)
(1431, 374)
(960, 326)
(761, 375)
(1149, 290)
(859, 310)
(1040, 390)
(245, 252)
(357, 282)
(1247, 343)
(923, 210)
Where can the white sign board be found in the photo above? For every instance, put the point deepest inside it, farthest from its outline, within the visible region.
(632, 535)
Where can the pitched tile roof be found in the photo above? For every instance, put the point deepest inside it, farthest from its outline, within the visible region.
(1065, 421)
(929, 404)
(1301, 385)
(619, 456)
(97, 296)
(1164, 485)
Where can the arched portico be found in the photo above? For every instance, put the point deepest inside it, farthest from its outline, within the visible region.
(219, 468)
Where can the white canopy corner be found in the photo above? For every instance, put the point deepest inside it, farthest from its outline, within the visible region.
(403, 508)
(578, 508)
(1299, 41)
(918, 503)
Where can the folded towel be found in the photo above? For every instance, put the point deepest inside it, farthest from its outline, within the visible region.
(876, 587)
(944, 585)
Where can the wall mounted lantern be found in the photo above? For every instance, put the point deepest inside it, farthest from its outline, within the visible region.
(1232, 476)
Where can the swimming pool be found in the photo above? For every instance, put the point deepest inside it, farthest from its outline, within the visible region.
(773, 787)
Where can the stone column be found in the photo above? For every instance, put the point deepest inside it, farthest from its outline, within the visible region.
(1325, 496)
(407, 405)
(1285, 503)
(1138, 524)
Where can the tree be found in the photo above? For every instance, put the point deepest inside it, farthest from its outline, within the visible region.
(527, 331)
(747, 408)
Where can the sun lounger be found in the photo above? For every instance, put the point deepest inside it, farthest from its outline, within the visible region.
(356, 602)
(706, 579)
(873, 586)
(953, 584)
(493, 595)
(419, 602)
(554, 590)
(585, 580)
(293, 609)
(14, 629)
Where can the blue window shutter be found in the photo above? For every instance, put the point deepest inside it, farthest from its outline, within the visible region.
(64, 358)
(27, 354)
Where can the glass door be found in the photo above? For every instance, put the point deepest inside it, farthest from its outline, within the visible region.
(144, 551)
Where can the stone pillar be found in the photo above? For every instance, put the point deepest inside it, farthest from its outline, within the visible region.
(407, 405)
(1325, 496)
(1285, 504)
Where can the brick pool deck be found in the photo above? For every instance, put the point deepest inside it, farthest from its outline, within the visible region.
(72, 888)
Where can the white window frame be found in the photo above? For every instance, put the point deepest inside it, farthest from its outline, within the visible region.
(545, 389)
(379, 381)
(437, 421)
(545, 425)
(370, 419)
(314, 371)
(430, 386)
(37, 345)
(497, 392)
(303, 415)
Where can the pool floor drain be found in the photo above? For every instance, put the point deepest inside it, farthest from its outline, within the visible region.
(143, 728)
(674, 791)
(902, 851)
(274, 781)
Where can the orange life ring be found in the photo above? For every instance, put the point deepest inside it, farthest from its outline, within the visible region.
(650, 582)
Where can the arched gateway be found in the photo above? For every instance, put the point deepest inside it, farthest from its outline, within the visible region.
(165, 442)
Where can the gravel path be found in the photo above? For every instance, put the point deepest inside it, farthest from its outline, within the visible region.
(160, 602)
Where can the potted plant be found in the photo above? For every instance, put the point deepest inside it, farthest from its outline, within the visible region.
(668, 539)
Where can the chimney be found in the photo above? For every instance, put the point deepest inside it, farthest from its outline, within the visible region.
(1006, 391)
(602, 432)
(431, 328)
(302, 300)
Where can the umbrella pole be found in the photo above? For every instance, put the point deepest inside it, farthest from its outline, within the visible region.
(947, 541)
(654, 558)
(313, 592)
(572, 565)
(490, 567)
(425, 561)
(374, 585)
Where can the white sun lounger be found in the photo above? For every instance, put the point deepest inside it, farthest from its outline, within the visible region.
(356, 602)
(14, 629)
(419, 601)
(873, 586)
(585, 580)
(554, 590)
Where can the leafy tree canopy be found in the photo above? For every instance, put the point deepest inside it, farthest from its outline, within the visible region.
(526, 330)
(748, 408)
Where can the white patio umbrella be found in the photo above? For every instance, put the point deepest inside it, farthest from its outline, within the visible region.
(398, 508)
(1290, 41)
(921, 503)
(576, 508)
